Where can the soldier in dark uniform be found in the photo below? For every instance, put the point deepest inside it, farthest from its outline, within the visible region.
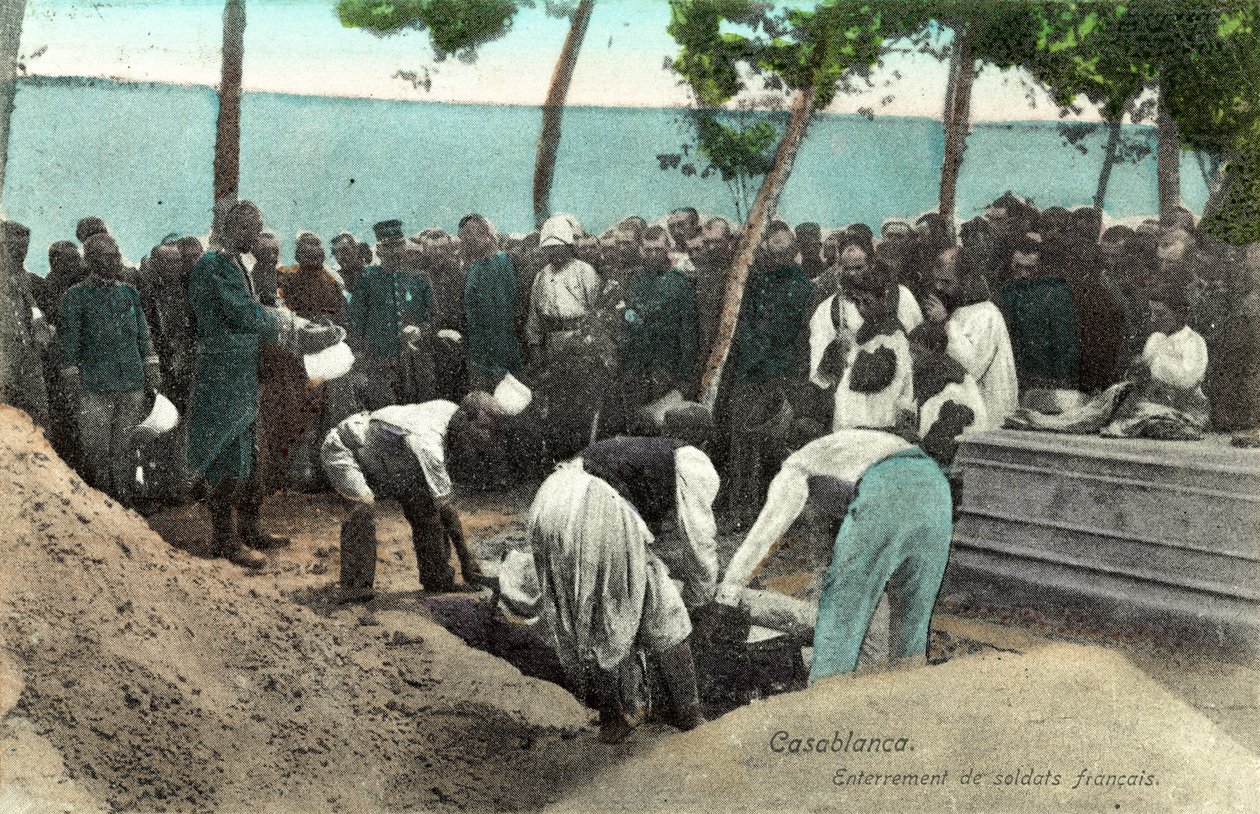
(108, 362)
(230, 327)
(390, 306)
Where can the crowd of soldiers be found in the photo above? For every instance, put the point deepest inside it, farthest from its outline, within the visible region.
(1038, 309)
(855, 357)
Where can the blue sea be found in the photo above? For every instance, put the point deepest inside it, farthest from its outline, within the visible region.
(141, 156)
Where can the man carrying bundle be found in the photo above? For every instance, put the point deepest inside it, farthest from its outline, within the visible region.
(895, 537)
(608, 577)
(223, 410)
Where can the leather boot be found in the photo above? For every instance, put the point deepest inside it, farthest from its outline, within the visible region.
(225, 543)
(678, 669)
(219, 503)
(252, 534)
(358, 553)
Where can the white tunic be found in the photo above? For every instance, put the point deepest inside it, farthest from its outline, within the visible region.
(878, 409)
(979, 341)
(566, 293)
(607, 586)
(966, 394)
(822, 329)
(844, 455)
(425, 426)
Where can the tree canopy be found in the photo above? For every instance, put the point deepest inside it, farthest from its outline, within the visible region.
(454, 26)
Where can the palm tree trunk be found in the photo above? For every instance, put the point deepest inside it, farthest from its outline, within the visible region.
(553, 111)
(227, 136)
(11, 322)
(1109, 162)
(962, 75)
(763, 208)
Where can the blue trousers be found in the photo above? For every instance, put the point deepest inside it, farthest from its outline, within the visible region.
(896, 534)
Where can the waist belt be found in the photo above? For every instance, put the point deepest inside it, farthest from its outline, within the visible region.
(552, 325)
(227, 343)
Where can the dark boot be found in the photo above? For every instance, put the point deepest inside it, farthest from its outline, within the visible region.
(249, 500)
(358, 553)
(225, 543)
(678, 669)
(219, 503)
(469, 568)
(252, 534)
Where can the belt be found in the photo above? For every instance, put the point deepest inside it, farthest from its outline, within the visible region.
(553, 325)
(227, 343)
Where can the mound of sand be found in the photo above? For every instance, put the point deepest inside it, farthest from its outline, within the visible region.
(1028, 724)
(134, 676)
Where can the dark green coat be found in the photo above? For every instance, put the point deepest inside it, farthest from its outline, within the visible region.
(104, 333)
(382, 302)
(490, 312)
(767, 337)
(660, 329)
(1041, 318)
(224, 403)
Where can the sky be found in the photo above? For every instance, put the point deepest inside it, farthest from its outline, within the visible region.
(299, 46)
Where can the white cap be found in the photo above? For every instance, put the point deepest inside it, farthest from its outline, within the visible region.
(512, 396)
(330, 363)
(162, 418)
(558, 230)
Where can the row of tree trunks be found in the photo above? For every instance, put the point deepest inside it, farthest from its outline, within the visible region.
(553, 111)
(763, 208)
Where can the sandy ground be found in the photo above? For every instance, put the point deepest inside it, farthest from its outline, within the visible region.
(137, 675)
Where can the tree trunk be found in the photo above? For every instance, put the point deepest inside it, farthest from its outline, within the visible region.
(962, 75)
(227, 136)
(553, 111)
(11, 321)
(1214, 177)
(758, 217)
(1109, 161)
(1168, 162)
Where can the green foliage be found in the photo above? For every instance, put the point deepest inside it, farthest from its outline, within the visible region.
(737, 146)
(454, 26)
(1203, 54)
(799, 47)
(735, 149)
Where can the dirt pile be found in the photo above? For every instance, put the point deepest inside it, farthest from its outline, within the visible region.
(169, 682)
(1062, 728)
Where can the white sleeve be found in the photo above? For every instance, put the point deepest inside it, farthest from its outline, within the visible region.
(905, 376)
(908, 311)
(590, 287)
(696, 485)
(821, 332)
(785, 501)
(337, 455)
(1179, 363)
(974, 349)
